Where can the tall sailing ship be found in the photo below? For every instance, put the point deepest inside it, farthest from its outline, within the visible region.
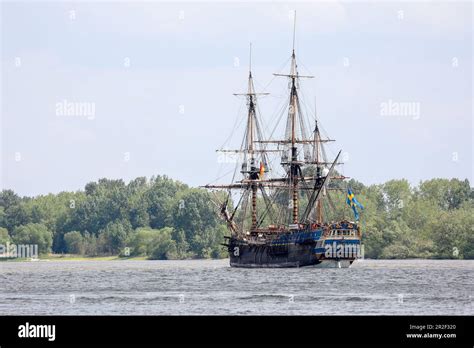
(285, 225)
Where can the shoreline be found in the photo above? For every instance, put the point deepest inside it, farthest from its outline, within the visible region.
(73, 257)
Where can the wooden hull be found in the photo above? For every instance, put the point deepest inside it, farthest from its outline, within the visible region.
(281, 256)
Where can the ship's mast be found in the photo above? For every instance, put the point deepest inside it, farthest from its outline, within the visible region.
(254, 172)
(254, 148)
(317, 159)
(294, 169)
(294, 166)
(252, 136)
(317, 139)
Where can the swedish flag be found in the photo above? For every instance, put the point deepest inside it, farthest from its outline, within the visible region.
(353, 203)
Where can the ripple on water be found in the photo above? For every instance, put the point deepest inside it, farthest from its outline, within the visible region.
(197, 287)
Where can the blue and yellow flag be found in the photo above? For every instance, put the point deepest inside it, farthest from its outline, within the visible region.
(353, 203)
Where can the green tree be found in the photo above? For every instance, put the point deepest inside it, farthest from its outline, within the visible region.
(448, 194)
(4, 236)
(182, 245)
(164, 218)
(397, 194)
(8, 198)
(105, 202)
(36, 234)
(74, 242)
(114, 236)
(452, 233)
(138, 203)
(206, 243)
(91, 244)
(194, 214)
(141, 241)
(163, 247)
(160, 201)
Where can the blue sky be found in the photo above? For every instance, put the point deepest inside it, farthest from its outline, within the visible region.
(161, 77)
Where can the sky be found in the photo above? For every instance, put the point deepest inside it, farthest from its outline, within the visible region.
(128, 89)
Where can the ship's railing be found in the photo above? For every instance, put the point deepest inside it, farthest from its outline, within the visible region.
(342, 233)
(313, 231)
(342, 229)
(299, 237)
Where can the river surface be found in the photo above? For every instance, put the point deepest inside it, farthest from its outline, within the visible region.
(211, 287)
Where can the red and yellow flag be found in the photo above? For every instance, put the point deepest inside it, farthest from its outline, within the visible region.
(262, 170)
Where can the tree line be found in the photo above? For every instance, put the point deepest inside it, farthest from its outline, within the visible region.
(161, 218)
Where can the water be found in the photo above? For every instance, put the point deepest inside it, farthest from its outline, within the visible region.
(197, 287)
